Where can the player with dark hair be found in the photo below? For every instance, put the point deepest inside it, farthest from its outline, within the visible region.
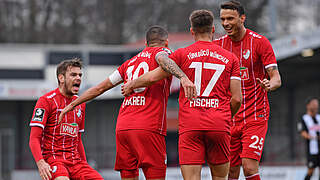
(57, 148)
(309, 129)
(205, 121)
(259, 75)
(141, 125)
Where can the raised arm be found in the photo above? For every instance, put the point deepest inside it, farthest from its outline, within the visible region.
(89, 94)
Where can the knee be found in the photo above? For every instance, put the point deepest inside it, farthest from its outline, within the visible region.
(62, 178)
(250, 169)
(234, 172)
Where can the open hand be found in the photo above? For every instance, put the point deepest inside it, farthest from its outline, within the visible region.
(189, 88)
(126, 89)
(64, 111)
(44, 170)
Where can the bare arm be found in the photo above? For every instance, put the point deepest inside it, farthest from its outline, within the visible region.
(305, 135)
(275, 79)
(168, 66)
(34, 144)
(236, 96)
(88, 95)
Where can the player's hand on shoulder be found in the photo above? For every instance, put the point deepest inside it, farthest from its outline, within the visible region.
(189, 88)
(265, 84)
(44, 170)
(126, 89)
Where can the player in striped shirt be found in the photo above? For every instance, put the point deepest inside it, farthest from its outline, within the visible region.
(57, 148)
(259, 75)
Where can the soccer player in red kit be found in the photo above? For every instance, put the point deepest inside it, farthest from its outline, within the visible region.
(141, 125)
(205, 121)
(259, 75)
(57, 148)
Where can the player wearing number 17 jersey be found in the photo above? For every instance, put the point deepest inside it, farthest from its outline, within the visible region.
(204, 122)
(141, 125)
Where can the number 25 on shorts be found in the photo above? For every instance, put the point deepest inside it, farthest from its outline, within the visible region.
(257, 144)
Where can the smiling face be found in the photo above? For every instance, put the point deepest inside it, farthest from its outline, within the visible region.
(70, 81)
(232, 22)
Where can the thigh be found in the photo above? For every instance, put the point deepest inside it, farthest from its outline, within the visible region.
(191, 148)
(125, 156)
(83, 171)
(313, 161)
(59, 169)
(235, 145)
(148, 150)
(217, 147)
(253, 139)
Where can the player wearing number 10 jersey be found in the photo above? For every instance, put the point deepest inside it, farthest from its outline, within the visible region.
(141, 125)
(204, 122)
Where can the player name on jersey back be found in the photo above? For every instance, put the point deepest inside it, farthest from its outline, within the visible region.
(205, 102)
(134, 101)
(209, 53)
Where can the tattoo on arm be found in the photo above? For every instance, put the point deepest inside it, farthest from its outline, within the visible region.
(272, 68)
(169, 65)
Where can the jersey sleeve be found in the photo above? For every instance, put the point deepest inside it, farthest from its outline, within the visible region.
(115, 77)
(175, 56)
(163, 50)
(266, 53)
(235, 73)
(40, 113)
(83, 117)
(301, 126)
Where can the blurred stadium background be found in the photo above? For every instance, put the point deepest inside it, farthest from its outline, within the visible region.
(35, 35)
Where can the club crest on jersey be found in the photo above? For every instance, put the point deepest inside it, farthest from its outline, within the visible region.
(38, 114)
(79, 113)
(244, 73)
(69, 129)
(246, 54)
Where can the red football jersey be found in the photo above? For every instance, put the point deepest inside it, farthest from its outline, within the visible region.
(255, 54)
(59, 141)
(146, 107)
(211, 68)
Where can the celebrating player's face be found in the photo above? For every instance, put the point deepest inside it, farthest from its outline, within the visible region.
(231, 21)
(72, 80)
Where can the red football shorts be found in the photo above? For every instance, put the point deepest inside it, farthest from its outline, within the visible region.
(247, 141)
(196, 147)
(80, 170)
(140, 149)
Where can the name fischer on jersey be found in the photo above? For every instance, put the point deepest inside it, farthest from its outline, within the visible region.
(134, 101)
(205, 102)
(207, 52)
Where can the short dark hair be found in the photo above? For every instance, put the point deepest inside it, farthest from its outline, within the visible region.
(234, 5)
(63, 66)
(201, 21)
(156, 34)
(309, 99)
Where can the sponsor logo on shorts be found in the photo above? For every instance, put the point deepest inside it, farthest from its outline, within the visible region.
(257, 153)
(38, 114)
(69, 129)
(54, 169)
